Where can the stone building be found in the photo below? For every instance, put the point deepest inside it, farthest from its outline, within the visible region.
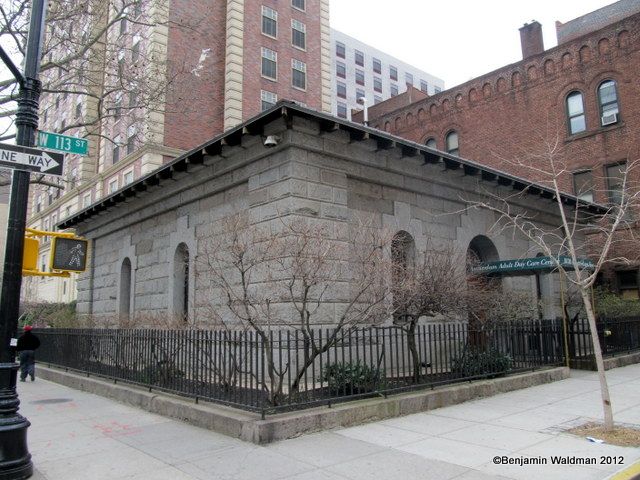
(296, 163)
(585, 93)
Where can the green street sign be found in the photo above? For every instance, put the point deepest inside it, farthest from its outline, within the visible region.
(521, 265)
(63, 143)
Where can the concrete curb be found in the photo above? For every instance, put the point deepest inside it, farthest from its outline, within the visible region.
(251, 428)
(609, 363)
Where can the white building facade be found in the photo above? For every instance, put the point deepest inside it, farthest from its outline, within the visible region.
(360, 70)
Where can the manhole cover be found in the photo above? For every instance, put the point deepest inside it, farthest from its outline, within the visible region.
(51, 400)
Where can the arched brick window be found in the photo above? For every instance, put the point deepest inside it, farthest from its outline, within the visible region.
(452, 143)
(608, 102)
(576, 119)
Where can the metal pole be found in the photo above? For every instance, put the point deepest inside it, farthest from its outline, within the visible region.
(15, 459)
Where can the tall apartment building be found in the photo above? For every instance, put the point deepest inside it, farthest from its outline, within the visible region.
(359, 70)
(163, 77)
(585, 92)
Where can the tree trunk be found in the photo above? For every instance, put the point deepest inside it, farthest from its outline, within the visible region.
(415, 357)
(604, 388)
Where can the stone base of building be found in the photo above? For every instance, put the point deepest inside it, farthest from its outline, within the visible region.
(251, 427)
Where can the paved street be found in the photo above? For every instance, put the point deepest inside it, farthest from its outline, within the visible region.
(75, 435)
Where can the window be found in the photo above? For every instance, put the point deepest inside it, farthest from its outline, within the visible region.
(359, 94)
(86, 200)
(575, 113)
(393, 72)
(437, 89)
(408, 78)
(452, 143)
(359, 56)
(38, 203)
(117, 106)
(394, 89)
(341, 70)
(268, 99)
(125, 289)
(131, 139)
(608, 102)
(583, 185)
(67, 212)
(377, 84)
(615, 177)
(377, 65)
(341, 90)
(135, 49)
(78, 110)
(115, 155)
(298, 74)
(628, 283)
(377, 99)
(113, 185)
(342, 110)
(298, 34)
(73, 176)
(181, 282)
(340, 50)
(123, 25)
(359, 77)
(431, 143)
(50, 195)
(128, 177)
(54, 220)
(133, 99)
(269, 22)
(269, 63)
(424, 86)
(299, 4)
(137, 8)
(43, 263)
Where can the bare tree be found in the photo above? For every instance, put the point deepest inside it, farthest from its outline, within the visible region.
(295, 275)
(579, 234)
(101, 62)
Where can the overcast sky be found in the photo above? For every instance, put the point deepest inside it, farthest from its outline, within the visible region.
(455, 40)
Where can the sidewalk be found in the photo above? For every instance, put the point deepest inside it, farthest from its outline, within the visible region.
(75, 435)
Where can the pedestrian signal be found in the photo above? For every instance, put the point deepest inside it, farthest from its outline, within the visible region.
(69, 254)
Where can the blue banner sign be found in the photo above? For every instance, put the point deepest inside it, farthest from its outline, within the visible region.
(535, 263)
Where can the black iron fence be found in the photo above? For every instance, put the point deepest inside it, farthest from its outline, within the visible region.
(617, 336)
(285, 369)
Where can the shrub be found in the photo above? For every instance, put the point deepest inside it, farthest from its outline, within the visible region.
(42, 314)
(161, 373)
(481, 362)
(352, 377)
(611, 305)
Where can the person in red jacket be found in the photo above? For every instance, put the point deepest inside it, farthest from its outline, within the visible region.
(28, 343)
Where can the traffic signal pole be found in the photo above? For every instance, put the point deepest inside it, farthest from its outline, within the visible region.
(15, 459)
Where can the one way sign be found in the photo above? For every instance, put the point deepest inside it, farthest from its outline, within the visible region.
(31, 159)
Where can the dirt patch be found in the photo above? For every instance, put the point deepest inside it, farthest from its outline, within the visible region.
(621, 436)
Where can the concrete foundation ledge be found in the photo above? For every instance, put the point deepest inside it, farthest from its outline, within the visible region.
(609, 362)
(251, 428)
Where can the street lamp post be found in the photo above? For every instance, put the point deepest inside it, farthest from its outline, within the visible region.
(15, 459)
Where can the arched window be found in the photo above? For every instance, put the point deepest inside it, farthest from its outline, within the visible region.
(403, 252)
(181, 282)
(431, 143)
(451, 142)
(575, 113)
(608, 102)
(125, 288)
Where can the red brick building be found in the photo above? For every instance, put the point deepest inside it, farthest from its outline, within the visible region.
(584, 93)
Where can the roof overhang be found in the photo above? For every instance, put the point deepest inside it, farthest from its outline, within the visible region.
(358, 132)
